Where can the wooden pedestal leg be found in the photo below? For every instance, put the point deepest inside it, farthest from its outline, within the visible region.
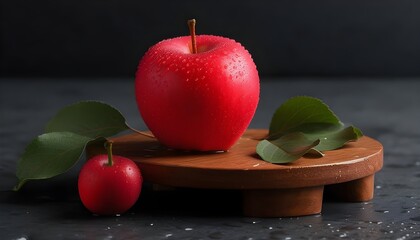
(283, 202)
(359, 190)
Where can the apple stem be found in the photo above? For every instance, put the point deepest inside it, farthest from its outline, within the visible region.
(191, 26)
(109, 150)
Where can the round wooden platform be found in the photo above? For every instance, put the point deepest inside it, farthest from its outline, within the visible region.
(293, 189)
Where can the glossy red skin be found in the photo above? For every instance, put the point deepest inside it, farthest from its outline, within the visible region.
(109, 190)
(203, 101)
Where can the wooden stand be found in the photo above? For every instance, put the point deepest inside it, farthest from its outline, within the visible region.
(283, 202)
(293, 189)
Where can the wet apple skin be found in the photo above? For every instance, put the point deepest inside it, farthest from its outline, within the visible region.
(203, 101)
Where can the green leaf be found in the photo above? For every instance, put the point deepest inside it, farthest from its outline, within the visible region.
(88, 118)
(286, 149)
(304, 125)
(49, 155)
(336, 139)
(298, 112)
(330, 136)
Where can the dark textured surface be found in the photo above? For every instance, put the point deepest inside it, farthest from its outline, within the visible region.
(387, 110)
(294, 38)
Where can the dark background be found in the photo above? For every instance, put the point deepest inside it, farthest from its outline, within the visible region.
(106, 38)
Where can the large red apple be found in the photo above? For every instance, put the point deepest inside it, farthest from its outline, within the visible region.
(197, 101)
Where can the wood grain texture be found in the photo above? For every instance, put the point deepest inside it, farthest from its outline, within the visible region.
(349, 170)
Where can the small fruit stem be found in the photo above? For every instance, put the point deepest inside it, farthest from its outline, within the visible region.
(109, 150)
(191, 26)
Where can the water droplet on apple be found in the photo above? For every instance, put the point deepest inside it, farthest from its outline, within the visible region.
(197, 59)
(184, 60)
(225, 66)
(196, 79)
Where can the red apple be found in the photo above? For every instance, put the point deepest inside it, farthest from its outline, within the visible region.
(197, 99)
(109, 185)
